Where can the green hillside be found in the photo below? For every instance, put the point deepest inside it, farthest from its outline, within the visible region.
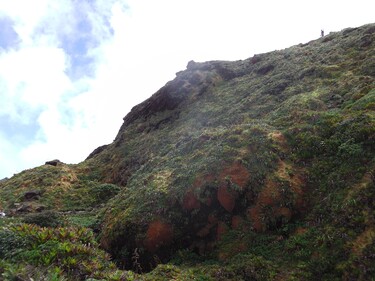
(259, 169)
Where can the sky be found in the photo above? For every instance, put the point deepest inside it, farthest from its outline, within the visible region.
(70, 70)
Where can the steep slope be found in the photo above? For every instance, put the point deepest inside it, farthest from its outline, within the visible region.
(265, 165)
(260, 141)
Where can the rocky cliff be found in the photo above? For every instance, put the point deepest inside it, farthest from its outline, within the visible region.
(264, 167)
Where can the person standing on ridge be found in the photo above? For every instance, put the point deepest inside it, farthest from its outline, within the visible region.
(322, 33)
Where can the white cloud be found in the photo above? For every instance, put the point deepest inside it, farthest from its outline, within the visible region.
(36, 74)
(9, 162)
(80, 66)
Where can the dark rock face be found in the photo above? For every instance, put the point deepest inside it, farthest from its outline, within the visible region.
(32, 195)
(54, 162)
(3, 180)
(30, 207)
(96, 151)
(195, 80)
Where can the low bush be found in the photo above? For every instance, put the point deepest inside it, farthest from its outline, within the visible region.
(104, 192)
(44, 219)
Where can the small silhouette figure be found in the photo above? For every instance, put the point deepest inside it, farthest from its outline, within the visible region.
(322, 33)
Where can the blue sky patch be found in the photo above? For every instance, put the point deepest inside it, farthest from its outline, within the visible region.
(8, 36)
(18, 133)
(77, 46)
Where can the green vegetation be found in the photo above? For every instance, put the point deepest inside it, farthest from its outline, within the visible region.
(63, 253)
(261, 169)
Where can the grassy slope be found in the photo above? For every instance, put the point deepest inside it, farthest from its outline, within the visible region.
(262, 168)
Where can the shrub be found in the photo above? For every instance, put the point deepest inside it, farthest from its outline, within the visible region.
(104, 192)
(11, 243)
(44, 219)
(67, 249)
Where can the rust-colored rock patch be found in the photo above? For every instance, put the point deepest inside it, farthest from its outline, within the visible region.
(237, 173)
(275, 196)
(227, 198)
(270, 194)
(200, 181)
(158, 234)
(190, 201)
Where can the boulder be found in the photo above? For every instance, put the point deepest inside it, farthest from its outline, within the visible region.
(54, 162)
(30, 207)
(32, 195)
(3, 180)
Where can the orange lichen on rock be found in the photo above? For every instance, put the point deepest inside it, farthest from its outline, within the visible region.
(158, 234)
(190, 201)
(227, 198)
(237, 173)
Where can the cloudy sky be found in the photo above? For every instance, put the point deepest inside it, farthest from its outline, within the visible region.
(70, 70)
